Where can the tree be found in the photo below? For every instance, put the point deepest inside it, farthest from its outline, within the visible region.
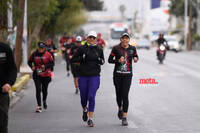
(3, 14)
(18, 46)
(177, 9)
(50, 17)
(68, 17)
(92, 5)
(122, 9)
(39, 13)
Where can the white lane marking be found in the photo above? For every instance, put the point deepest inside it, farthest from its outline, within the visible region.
(185, 70)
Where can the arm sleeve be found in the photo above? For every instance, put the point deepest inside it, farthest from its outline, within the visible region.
(30, 61)
(101, 59)
(135, 53)
(112, 57)
(104, 43)
(12, 69)
(51, 62)
(54, 47)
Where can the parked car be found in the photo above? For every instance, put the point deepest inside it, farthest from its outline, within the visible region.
(143, 43)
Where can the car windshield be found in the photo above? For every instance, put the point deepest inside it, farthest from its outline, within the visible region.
(143, 42)
(116, 34)
(170, 39)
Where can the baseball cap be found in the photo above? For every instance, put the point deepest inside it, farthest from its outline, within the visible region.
(78, 38)
(125, 34)
(41, 45)
(92, 33)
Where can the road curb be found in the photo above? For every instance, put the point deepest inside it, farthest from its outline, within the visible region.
(18, 85)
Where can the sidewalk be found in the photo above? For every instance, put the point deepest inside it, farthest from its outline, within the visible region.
(22, 79)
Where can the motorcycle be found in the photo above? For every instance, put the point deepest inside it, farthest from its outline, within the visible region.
(161, 51)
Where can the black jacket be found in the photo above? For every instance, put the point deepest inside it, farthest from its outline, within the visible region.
(8, 69)
(122, 69)
(161, 41)
(91, 58)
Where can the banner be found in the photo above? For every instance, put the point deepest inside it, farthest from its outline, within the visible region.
(155, 4)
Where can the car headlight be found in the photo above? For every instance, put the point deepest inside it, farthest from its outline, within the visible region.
(176, 46)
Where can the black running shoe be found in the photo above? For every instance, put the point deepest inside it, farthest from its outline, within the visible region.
(90, 123)
(45, 105)
(120, 114)
(85, 116)
(124, 121)
(39, 109)
(76, 92)
(68, 74)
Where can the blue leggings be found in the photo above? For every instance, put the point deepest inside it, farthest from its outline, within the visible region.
(88, 87)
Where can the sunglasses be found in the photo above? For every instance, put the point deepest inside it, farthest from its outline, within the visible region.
(92, 37)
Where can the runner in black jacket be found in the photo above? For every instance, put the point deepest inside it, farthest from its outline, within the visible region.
(50, 47)
(8, 74)
(75, 66)
(122, 56)
(91, 58)
(67, 46)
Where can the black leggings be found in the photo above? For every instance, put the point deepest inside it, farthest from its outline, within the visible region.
(41, 84)
(4, 106)
(67, 62)
(122, 87)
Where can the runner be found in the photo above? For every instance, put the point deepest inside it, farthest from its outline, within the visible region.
(50, 47)
(62, 41)
(68, 45)
(8, 74)
(91, 58)
(100, 42)
(122, 56)
(41, 63)
(75, 66)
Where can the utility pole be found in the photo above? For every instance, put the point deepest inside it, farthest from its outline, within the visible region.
(25, 33)
(189, 28)
(186, 24)
(10, 22)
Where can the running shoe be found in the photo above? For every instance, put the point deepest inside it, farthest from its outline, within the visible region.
(85, 116)
(45, 105)
(68, 74)
(76, 92)
(120, 114)
(39, 109)
(124, 121)
(90, 123)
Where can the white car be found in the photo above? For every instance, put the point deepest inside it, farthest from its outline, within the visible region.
(173, 43)
(143, 43)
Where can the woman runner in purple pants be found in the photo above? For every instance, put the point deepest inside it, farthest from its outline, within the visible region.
(91, 58)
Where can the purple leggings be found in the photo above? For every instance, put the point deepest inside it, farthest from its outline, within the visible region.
(88, 87)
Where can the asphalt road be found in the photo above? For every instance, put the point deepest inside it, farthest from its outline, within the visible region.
(171, 106)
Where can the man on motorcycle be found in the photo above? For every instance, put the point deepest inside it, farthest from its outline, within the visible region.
(162, 48)
(161, 40)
